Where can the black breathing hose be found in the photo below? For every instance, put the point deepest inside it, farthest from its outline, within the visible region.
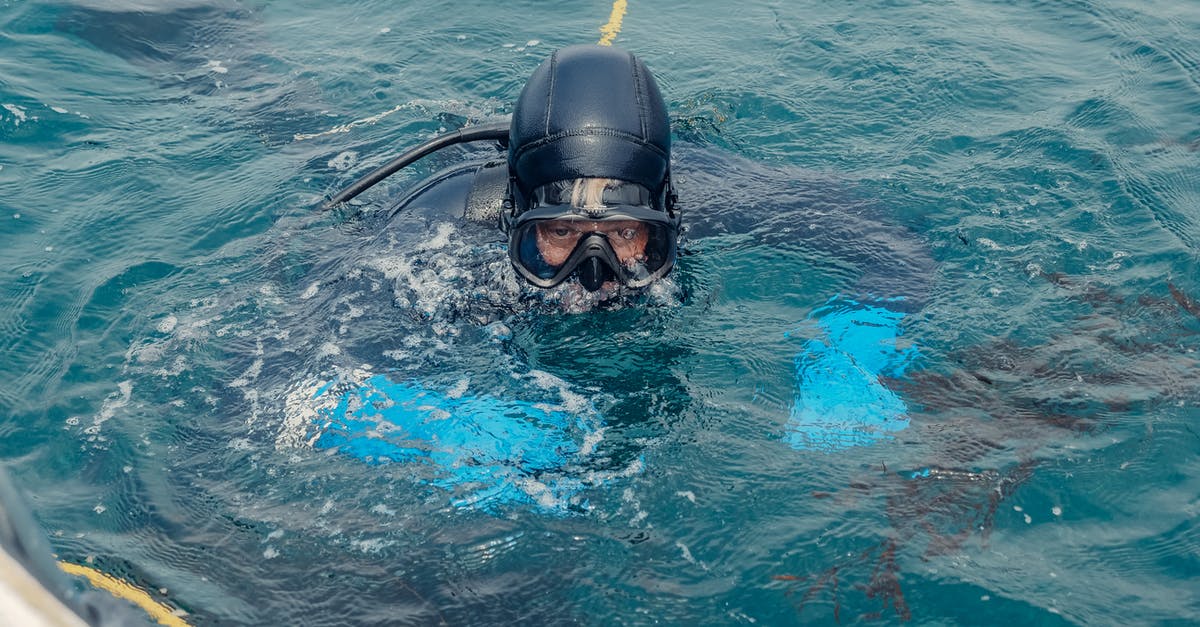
(494, 132)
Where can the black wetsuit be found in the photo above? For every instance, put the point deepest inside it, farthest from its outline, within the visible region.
(728, 195)
(881, 273)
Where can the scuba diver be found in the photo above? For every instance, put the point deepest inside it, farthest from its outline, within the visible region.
(585, 193)
(585, 200)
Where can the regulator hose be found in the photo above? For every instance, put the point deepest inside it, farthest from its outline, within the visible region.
(486, 132)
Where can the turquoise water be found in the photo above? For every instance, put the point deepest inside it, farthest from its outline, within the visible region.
(172, 301)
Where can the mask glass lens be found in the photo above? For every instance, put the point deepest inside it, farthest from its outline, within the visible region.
(609, 220)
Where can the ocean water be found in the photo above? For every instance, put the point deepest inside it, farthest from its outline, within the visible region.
(179, 319)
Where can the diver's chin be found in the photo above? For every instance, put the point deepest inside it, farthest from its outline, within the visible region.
(610, 291)
(575, 298)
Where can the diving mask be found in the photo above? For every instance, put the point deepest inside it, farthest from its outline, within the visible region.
(613, 239)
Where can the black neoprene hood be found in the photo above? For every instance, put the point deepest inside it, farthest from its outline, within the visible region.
(589, 111)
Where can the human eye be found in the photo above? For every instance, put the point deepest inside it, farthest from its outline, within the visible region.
(559, 230)
(628, 233)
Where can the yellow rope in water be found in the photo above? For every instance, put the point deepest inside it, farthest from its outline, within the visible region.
(122, 590)
(609, 31)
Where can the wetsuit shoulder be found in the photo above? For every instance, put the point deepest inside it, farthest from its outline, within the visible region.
(473, 191)
(487, 192)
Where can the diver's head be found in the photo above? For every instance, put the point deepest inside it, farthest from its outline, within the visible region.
(589, 166)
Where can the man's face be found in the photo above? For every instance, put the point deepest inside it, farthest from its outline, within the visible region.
(556, 239)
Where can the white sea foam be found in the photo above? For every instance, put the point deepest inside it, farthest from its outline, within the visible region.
(687, 553)
(167, 324)
(113, 402)
(571, 402)
(241, 444)
(439, 278)
(178, 366)
(459, 388)
(373, 545)
(301, 407)
(440, 239)
(250, 374)
(17, 112)
(383, 510)
(343, 161)
(630, 500)
(590, 441)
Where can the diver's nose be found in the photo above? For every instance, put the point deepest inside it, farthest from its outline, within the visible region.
(592, 273)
